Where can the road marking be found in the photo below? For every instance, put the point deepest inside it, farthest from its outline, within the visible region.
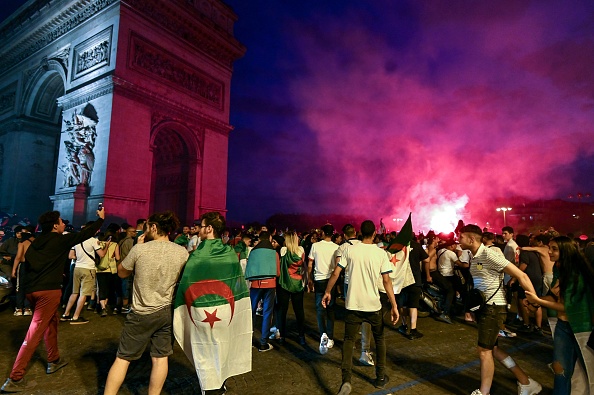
(443, 373)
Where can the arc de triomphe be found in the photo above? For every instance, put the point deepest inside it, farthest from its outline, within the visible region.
(124, 102)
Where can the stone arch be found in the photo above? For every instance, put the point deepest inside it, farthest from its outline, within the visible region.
(39, 135)
(176, 163)
(45, 80)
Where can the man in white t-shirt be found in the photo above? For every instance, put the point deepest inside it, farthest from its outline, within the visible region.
(194, 238)
(321, 264)
(487, 268)
(83, 277)
(443, 277)
(350, 236)
(365, 263)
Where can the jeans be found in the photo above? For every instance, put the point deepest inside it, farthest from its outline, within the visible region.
(447, 287)
(325, 316)
(283, 296)
(352, 322)
(566, 352)
(365, 328)
(267, 296)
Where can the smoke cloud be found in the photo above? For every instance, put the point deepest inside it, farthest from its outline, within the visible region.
(433, 107)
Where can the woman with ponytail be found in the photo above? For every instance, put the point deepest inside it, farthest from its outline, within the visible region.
(290, 286)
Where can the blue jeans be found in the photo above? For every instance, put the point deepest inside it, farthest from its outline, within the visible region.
(566, 352)
(267, 296)
(325, 316)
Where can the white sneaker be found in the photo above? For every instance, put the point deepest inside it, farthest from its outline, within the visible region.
(330, 343)
(366, 358)
(275, 335)
(27, 312)
(506, 333)
(324, 344)
(18, 312)
(532, 388)
(476, 392)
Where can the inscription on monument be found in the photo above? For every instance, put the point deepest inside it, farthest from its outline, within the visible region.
(92, 54)
(149, 59)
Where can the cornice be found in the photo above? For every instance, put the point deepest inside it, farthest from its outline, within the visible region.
(198, 31)
(17, 50)
(87, 93)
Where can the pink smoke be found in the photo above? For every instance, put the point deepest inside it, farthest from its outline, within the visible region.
(482, 102)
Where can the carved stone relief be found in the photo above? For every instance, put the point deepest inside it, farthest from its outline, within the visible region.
(80, 145)
(154, 61)
(7, 99)
(70, 19)
(92, 53)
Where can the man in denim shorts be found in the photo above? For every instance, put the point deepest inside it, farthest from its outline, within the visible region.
(157, 264)
(487, 268)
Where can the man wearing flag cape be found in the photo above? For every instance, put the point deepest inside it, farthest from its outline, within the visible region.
(212, 320)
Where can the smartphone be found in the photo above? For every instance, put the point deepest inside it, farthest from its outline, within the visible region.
(100, 207)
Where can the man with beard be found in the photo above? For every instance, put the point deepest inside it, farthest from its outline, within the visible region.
(157, 263)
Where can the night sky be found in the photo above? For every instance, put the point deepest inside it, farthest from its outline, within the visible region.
(384, 107)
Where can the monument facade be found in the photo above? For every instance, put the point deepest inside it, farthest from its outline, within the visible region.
(120, 102)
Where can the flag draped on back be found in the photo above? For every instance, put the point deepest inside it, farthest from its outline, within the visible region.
(291, 272)
(212, 319)
(398, 253)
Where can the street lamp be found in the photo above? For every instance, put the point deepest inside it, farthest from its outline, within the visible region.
(504, 209)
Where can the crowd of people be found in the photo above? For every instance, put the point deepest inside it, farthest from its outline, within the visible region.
(382, 276)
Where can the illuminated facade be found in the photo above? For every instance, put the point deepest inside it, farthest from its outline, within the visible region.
(125, 103)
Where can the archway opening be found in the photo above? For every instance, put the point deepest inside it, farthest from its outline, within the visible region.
(171, 174)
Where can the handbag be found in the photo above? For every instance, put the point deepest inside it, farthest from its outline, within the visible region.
(476, 298)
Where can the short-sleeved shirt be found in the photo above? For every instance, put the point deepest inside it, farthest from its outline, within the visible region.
(83, 260)
(416, 256)
(156, 265)
(533, 269)
(322, 253)
(340, 251)
(446, 261)
(365, 263)
(486, 268)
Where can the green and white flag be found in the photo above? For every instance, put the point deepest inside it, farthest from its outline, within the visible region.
(212, 320)
(398, 253)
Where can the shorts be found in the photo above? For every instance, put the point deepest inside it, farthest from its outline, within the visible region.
(139, 330)
(409, 297)
(490, 320)
(83, 281)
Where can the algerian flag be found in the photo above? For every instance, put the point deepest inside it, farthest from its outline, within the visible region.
(212, 321)
(398, 253)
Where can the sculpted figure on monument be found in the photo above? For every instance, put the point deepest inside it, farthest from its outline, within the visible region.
(80, 157)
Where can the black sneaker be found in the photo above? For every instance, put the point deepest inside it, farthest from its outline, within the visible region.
(265, 347)
(78, 321)
(414, 334)
(103, 313)
(53, 367)
(525, 329)
(65, 317)
(116, 311)
(302, 341)
(377, 383)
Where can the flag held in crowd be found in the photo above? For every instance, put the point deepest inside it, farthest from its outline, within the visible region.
(212, 318)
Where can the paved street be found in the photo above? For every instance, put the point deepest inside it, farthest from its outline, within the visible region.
(442, 362)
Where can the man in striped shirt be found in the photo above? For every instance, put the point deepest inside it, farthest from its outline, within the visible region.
(487, 269)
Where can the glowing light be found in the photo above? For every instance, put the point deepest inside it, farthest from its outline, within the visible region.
(504, 209)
